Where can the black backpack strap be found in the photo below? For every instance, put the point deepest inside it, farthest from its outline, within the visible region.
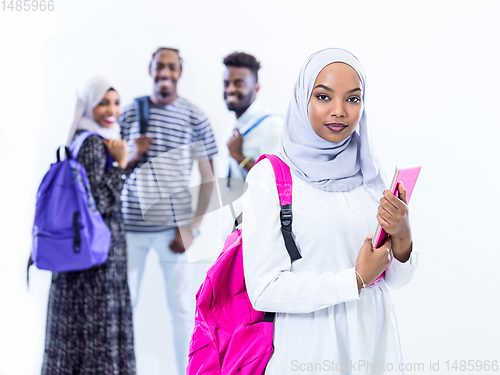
(283, 176)
(286, 230)
(68, 154)
(142, 112)
(30, 262)
(237, 222)
(269, 317)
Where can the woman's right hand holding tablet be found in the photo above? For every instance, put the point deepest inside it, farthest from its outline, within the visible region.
(372, 262)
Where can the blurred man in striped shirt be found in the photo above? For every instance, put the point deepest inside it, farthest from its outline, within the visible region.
(156, 202)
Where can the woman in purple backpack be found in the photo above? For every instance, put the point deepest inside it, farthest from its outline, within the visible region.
(333, 314)
(89, 316)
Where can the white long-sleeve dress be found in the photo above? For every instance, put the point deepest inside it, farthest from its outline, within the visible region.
(322, 323)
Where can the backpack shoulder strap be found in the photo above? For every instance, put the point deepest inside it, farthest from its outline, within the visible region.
(78, 142)
(284, 184)
(255, 124)
(142, 112)
(77, 145)
(283, 178)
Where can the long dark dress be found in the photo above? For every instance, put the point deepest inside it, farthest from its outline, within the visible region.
(89, 318)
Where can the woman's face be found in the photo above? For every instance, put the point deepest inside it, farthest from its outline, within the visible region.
(335, 105)
(107, 111)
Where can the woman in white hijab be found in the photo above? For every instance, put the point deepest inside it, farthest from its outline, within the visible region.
(89, 315)
(331, 313)
(97, 110)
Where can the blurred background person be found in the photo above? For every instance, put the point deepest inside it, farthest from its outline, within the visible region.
(255, 132)
(89, 316)
(174, 124)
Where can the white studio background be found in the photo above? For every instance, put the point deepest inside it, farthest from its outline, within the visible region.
(432, 99)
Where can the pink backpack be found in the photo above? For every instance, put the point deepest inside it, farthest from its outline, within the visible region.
(229, 336)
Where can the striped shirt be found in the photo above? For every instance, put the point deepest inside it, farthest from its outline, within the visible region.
(156, 195)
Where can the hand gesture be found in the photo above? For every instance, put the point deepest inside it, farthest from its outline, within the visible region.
(372, 262)
(117, 149)
(235, 144)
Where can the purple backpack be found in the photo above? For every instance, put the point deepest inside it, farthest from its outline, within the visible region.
(69, 233)
(229, 336)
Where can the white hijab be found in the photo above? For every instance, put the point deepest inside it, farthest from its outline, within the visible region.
(88, 97)
(326, 165)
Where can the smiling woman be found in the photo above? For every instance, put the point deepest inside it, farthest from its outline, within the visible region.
(107, 111)
(89, 315)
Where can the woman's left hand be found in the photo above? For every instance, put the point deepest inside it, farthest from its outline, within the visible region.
(393, 217)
